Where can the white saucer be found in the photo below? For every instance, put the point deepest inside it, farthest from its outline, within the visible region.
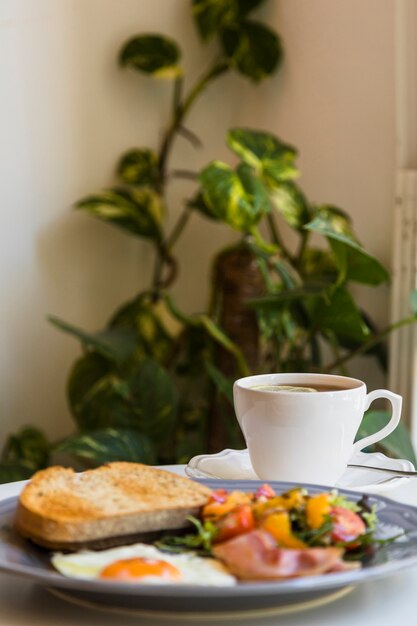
(235, 464)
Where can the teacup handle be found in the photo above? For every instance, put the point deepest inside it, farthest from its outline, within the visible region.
(396, 403)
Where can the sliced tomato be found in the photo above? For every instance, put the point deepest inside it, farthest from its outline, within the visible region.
(347, 525)
(238, 521)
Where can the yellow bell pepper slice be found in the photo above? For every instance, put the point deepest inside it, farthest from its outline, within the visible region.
(293, 499)
(317, 507)
(279, 526)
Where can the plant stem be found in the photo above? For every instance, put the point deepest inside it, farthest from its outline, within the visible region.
(277, 239)
(157, 272)
(303, 244)
(178, 228)
(190, 136)
(177, 95)
(275, 236)
(186, 174)
(218, 68)
(169, 134)
(180, 108)
(370, 343)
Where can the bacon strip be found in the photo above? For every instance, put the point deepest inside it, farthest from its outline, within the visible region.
(256, 556)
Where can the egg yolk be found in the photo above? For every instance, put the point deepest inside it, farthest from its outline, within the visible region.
(140, 567)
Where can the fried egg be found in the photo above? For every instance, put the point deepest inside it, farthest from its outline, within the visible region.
(142, 563)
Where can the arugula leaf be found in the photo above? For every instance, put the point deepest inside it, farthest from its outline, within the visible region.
(318, 536)
(200, 541)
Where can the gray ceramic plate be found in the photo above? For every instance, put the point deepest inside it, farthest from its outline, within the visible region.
(20, 558)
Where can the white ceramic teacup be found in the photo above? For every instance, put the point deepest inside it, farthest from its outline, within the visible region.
(306, 436)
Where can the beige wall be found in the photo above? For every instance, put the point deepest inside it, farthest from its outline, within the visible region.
(67, 112)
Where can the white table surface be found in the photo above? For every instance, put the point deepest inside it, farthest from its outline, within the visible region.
(388, 602)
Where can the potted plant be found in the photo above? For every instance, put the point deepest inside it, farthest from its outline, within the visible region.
(155, 384)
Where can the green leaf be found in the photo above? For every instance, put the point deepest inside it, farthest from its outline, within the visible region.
(105, 404)
(291, 203)
(358, 265)
(126, 315)
(329, 311)
(138, 210)
(143, 398)
(110, 444)
(115, 344)
(398, 444)
(339, 314)
(378, 350)
(286, 271)
(353, 261)
(154, 398)
(265, 153)
(236, 197)
(270, 261)
(223, 340)
(335, 225)
(318, 262)
(223, 384)
(141, 314)
(212, 329)
(247, 6)
(254, 188)
(199, 204)
(11, 471)
(138, 167)
(211, 16)
(153, 336)
(85, 373)
(252, 49)
(152, 54)
(28, 447)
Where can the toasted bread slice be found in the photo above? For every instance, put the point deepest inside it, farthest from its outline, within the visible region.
(61, 509)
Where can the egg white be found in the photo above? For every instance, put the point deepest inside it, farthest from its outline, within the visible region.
(195, 570)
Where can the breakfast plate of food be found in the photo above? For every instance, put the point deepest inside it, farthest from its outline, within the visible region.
(133, 538)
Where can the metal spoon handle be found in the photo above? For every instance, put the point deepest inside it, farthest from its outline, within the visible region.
(386, 470)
